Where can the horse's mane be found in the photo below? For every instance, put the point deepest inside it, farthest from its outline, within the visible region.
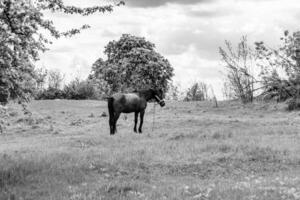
(143, 90)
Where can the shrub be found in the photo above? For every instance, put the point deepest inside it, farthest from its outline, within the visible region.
(280, 70)
(198, 92)
(80, 90)
(293, 104)
(50, 93)
(76, 89)
(173, 92)
(239, 62)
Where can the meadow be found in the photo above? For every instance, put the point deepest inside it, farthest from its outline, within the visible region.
(63, 151)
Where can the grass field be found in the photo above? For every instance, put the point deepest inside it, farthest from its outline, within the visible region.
(64, 151)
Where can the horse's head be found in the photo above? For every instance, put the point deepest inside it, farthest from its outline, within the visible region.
(158, 96)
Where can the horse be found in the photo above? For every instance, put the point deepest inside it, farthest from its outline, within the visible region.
(131, 102)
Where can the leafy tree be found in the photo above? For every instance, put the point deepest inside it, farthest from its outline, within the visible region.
(22, 25)
(40, 78)
(98, 77)
(55, 79)
(280, 69)
(132, 62)
(198, 92)
(173, 92)
(80, 89)
(240, 63)
(227, 90)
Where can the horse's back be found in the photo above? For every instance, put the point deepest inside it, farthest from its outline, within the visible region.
(127, 103)
(126, 98)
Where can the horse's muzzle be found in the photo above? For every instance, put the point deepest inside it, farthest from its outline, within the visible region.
(162, 103)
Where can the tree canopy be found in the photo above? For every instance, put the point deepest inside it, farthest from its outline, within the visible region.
(280, 68)
(198, 92)
(21, 40)
(132, 62)
(240, 62)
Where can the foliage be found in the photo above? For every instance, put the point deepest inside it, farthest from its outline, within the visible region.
(239, 63)
(77, 89)
(97, 77)
(293, 104)
(40, 78)
(48, 84)
(21, 40)
(132, 62)
(50, 93)
(55, 79)
(227, 91)
(198, 92)
(3, 119)
(280, 69)
(173, 92)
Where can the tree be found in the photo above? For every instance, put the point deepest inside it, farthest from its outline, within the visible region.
(173, 92)
(21, 40)
(132, 62)
(228, 91)
(97, 76)
(280, 69)
(239, 64)
(80, 89)
(40, 78)
(55, 79)
(198, 92)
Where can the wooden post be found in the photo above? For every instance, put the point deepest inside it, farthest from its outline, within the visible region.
(216, 101)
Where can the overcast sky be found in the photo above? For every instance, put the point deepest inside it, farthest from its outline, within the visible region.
(186, 32)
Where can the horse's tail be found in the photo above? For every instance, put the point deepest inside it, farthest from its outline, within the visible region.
(110, 102)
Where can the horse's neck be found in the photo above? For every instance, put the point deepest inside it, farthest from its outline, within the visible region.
(146, 94)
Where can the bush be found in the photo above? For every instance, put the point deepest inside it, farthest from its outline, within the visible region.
(240, 64)
(293, 104)
(198, 92)
(50, 93)
(80, 90)
(74, 90)
(280, 70)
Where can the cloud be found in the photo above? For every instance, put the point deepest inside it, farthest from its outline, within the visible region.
(63, 49)
(187, 32)
(157, 3)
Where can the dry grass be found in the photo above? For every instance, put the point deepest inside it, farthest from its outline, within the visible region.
(64, 151)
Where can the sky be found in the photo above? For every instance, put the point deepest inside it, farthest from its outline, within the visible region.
(186, 32)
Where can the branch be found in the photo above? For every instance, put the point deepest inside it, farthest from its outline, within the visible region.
(58, 5)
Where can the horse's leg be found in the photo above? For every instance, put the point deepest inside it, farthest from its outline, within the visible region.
(111, 123)
(116, 117)
(141, 120)
(111, 114)
(136, 114)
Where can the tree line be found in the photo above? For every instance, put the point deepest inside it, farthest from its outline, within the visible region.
(22, 39)
(262, 72)
(132, 62)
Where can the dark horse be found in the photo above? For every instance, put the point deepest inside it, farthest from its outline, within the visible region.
(131, 102)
